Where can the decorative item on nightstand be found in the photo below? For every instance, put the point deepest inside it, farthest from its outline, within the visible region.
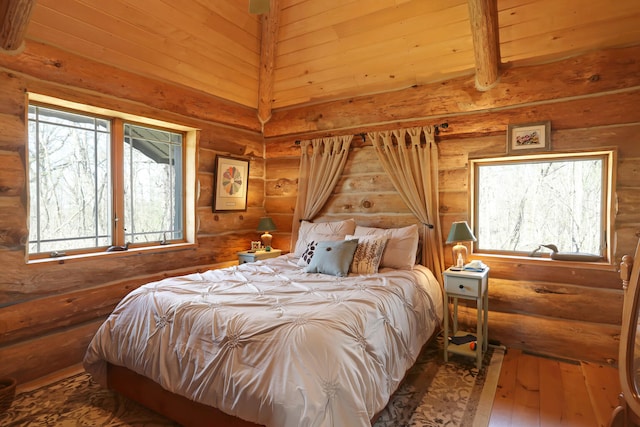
(460, 232)
(266, 224)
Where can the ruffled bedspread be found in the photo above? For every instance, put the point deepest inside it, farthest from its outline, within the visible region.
(271, 344)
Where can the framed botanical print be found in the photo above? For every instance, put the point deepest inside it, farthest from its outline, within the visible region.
(230, 183)
(529, 137)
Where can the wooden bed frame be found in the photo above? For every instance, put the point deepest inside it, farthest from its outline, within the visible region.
(173, 406)
(187, 413)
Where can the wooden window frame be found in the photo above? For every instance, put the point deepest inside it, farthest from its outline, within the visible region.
(118, 120)
(608, 206)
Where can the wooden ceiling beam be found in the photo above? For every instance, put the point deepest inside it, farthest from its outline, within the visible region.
(14, 18)
(268, 42)
(483, 16)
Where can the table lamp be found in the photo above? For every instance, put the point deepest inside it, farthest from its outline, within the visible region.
(460, 232)
(266, 224)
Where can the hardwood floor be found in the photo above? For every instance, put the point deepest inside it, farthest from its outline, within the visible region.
(539, 391)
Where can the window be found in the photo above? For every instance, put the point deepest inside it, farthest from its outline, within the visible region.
(522, 203)
(69, 180)
(82, 198)
(152, 184)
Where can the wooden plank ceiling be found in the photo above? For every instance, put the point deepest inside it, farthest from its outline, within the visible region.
(320, 49)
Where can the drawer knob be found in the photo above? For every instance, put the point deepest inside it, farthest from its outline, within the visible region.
(461, 286)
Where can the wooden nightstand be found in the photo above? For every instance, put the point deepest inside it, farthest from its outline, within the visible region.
(467, 285)
(246, 256)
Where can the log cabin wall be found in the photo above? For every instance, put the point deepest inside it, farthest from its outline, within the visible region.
(564, 310)
(49, 311)
(363, 192)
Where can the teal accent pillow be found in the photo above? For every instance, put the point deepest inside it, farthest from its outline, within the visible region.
(333, 258)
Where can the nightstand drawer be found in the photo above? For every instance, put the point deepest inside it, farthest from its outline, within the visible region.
(463, 286)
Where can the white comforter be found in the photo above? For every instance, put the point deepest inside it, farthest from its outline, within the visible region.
(273, 345)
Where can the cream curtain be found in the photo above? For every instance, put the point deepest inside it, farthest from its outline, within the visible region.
(321, 164)
(413, 169)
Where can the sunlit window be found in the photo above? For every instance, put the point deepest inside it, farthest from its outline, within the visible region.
(79, 201)
(522, 203)
(69, 180)
(153, 184)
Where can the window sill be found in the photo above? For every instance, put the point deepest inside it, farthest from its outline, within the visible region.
(544, 261)
(117, 254)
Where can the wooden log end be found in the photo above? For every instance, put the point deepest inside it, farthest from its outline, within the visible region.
(12, 50)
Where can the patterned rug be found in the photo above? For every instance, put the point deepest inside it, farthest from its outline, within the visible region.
(434, 393)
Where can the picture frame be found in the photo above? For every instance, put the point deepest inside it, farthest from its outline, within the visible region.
(529, 137)
(256, 245)
(230, 184)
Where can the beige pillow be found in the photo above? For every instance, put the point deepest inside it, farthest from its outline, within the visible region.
(322, 231)
(401, 248)
(368, 255)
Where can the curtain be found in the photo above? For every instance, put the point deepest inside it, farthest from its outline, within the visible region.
(321, 164)
(412, 167)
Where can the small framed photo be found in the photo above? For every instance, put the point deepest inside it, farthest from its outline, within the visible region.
(256, 246)
(529, 137)
(230, 183)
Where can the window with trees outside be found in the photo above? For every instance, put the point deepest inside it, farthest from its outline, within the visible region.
(83, 199)
(523, 202)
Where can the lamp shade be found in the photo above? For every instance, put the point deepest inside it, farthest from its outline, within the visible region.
(266, 224)
(460, 232)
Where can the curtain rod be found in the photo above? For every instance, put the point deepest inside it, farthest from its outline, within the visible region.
(362, 135)
(440, 126)
(437, 128)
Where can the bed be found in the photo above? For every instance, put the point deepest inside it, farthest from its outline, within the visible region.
(278, 342)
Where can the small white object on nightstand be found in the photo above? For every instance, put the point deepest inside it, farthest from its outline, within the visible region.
(472, 285)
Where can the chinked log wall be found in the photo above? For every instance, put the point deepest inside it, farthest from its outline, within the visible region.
(49, 311)
(542, 306)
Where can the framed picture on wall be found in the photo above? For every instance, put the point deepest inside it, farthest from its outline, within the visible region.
(529, 137)
(230, 184)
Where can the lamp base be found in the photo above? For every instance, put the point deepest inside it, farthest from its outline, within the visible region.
(459, 250)
(266, 241)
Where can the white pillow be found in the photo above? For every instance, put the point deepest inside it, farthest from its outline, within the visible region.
(322, 231)
(400, 251)
(368, 253)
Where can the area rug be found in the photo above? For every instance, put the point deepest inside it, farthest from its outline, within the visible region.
(434, 393)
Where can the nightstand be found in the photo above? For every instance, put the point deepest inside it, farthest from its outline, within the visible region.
(246, 256)
(473, 286)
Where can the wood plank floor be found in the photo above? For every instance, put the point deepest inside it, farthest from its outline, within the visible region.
(540, 391)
